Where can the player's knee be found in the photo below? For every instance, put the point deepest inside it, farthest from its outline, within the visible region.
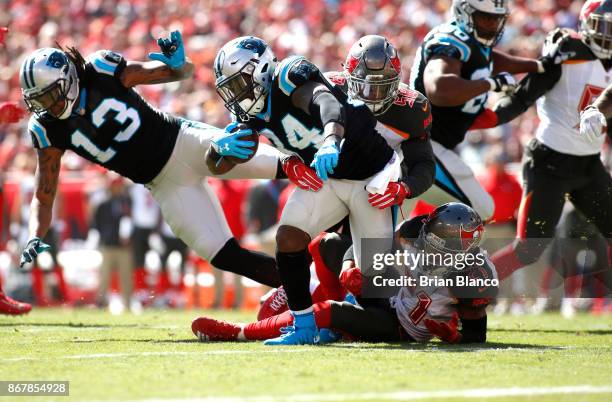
(291, 239)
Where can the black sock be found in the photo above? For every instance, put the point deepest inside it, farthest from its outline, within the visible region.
(294, 270)
(251, 264)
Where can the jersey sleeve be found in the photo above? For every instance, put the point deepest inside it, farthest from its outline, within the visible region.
(294, 72)
(107, 62)
(38, 133)
(448, 45)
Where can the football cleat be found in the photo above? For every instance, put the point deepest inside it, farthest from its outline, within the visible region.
(209, 329)
(273, 303)
(13, 307)
(303, 332)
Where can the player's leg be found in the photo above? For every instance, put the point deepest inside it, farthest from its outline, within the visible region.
(305, 215)
(539, 213)
(194, 213)
(455, 181)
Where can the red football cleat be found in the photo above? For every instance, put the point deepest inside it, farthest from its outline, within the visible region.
(274, 304)
(209, 329)
(12, 307)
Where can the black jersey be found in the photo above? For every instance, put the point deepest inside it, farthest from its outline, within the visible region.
(451, 123)
(111, 125)
(363, 153)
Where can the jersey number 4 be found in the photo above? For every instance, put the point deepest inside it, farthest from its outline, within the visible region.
(419, 311)
(98, 118)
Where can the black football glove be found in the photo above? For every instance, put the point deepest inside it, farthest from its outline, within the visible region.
(502, 82)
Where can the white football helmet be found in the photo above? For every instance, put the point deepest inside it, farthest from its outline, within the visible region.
(49, 83)
(243, 71)
(483, 19)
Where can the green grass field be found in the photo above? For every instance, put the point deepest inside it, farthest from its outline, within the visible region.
(155, 357)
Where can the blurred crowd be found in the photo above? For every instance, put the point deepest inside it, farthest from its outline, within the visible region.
(322, 30)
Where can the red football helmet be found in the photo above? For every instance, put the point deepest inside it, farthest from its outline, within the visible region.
(596, 27)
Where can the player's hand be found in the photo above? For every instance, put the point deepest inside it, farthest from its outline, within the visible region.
(502, 82)
(445, 331)
(11, 112)
(326, 158)
(34, 247)
(301, 175)
(3, 32)
(486, 119)
(173, 51)
(395, 194)
(552, 50)
(228, 143)
(592, 123)
(352, 279)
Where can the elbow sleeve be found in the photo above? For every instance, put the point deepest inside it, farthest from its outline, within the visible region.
(327, 107)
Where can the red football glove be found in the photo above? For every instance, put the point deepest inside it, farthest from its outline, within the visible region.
(395, 194)
(486, 119)
(351, 280)
(11, 112)
(3, 32)
(301, 175)
(446, 331)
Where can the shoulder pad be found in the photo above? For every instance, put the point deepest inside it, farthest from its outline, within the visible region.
(293, 72)
(448, 41)
(106, 62)
(336, 78)
(38, 132)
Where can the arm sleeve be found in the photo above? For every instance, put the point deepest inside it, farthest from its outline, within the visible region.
(418, 166)
(529, 90)
(474, 331)
(325, 105)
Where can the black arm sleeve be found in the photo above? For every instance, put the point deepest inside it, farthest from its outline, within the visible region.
(327, 107)
(418, 166)
(529, 90)
(474, 331)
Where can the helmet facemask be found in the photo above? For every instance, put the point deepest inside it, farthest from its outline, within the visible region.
(376, 91)
(242, 95)
(597, 30)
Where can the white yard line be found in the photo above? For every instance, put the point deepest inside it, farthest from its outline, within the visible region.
(408, 395)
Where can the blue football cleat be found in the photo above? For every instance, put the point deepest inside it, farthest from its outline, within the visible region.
(326, 335)
(303, 332)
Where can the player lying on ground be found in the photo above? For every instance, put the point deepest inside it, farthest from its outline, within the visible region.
(90, 107)
(560, 162)
(303, 114)
(415, 314)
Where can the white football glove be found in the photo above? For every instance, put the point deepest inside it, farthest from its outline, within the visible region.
(502, 82)
(592, 122)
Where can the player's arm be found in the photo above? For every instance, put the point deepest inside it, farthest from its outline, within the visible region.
(532, 87)
(444, 85)
(604, 102)
(45, 189)
(512, 64)
(316, 100)
(167, 66)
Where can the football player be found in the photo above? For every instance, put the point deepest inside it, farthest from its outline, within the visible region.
(562, 161)
(89, 106)
(372, 75)
(416, 313)
(456, 67)
(304, 115)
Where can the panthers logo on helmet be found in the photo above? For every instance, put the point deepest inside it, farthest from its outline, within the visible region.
(256, 45)
(57, 60)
